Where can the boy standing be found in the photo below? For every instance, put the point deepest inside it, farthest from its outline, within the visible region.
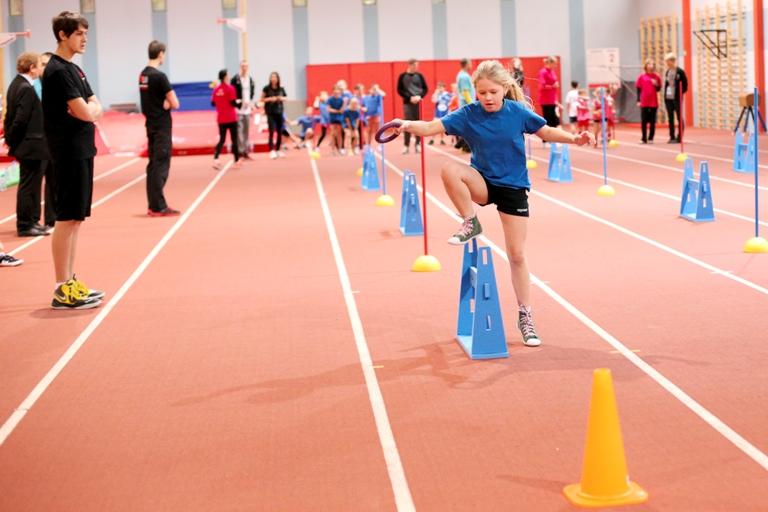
(69, 111)
(245, 89)
(675, 85)
(157, 100)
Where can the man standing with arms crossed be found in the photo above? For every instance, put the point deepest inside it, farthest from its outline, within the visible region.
(412, 87)
(244, 88)
(69, 110)
(157, 100)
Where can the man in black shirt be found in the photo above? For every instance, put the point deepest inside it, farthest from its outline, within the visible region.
(69, 110)
(157, 100)
(412, 87)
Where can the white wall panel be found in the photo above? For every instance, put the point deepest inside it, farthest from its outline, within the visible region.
(335, 31)
(120, 63)
(195, 42)
(474, 29)
(405, 29)
(270, 41)
(37, 18)
(538, 34)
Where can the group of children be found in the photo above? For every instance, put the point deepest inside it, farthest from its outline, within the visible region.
(354, 116)
(584, 111)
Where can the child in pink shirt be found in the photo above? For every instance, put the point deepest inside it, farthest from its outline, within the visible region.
(582, 111)
(599, 115)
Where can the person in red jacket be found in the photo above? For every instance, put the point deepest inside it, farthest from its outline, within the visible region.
(224, 98)
(648, 86)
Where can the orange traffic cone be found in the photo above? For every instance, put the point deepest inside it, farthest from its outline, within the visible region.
(604, 478)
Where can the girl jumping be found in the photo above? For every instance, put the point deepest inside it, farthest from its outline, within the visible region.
(494, 127)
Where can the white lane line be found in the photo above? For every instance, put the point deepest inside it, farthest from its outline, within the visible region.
(97, 178)
(98, 203)
(690, 259)
(402, 493)
(687, 142)
(709, 418)
(18, 414)
(668, 167)
(627, 184)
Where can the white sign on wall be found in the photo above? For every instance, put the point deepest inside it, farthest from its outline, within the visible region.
(603, 66)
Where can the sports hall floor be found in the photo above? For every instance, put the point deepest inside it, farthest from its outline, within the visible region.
(270, 350)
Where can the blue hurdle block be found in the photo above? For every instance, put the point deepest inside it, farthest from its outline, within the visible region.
(559, 164)
(744, 154)
(370, 179)
(410, 210)
(480, 330)
(696, 203)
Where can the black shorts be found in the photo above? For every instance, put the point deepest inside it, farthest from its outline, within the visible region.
(512, 201)
(573, 119)
(73, 185)
(550, 115)
(337, 122)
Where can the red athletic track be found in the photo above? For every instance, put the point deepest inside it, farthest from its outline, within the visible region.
(227, 377)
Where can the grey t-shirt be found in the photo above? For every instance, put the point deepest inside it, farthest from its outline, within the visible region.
(669, 93)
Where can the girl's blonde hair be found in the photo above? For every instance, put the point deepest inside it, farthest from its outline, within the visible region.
(494, 71)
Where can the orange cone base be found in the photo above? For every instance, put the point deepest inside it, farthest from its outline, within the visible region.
(426, 263)
(634, 495)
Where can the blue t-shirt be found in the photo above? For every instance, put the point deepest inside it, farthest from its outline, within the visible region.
(373, 104)
(325, 116)
(351, 117)
(441, 107)
(336, 104)
(496, 140)
(347, 95)
(307, 122)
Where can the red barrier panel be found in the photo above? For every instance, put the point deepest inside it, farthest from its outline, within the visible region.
(322, 77)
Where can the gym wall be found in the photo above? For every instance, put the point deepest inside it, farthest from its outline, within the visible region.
(287, 38)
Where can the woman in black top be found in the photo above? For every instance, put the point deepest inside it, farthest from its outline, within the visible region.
(273, 95)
